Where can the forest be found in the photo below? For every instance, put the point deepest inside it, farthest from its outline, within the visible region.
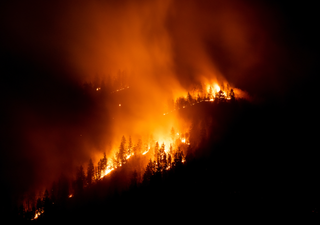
(227, 166)
(162, 111)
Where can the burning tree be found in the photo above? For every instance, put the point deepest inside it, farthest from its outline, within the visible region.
(156, 152)
(129, 146)
(122, 155)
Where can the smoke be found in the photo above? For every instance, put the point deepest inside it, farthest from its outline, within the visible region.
(166, 47)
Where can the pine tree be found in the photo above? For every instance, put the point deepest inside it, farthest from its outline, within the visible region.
(156, 152)
(122, 156)
(232, 95)
(80, 181)
(63, 190)
(46, 199)
(99, 170)
(162, 158)
(115, 160)
(90, 172)
(198, 98)
(148, 172)
(104, 162)
(190, 99)
(170, 149)
(129, 146)
(169, 159)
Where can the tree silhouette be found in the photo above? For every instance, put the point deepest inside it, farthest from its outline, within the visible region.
(129, 146)
(46, 200)
(90, 172)
(180, 103)
(169, 159)
(198, 98)
(189, 99)
(122, 156)
(148, 172)
(99, 167)
(80, 181)
(162, 158)
(156, 152)
(39, 203)
(232, 95)
(63, 190)
(104, 162)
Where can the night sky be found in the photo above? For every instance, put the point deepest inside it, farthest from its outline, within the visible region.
(50, 124)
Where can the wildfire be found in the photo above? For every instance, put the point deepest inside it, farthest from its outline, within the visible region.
(106, 172)
(38, 213)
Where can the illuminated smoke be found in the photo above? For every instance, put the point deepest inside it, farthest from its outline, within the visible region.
(165, 48)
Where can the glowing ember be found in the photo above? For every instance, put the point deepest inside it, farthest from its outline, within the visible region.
(70, 196)
(183, 140)
(119, 104)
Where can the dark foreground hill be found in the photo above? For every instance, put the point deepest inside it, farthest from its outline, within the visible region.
(254, 162)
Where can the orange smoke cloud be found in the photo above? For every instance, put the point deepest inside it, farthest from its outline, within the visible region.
(165, 47)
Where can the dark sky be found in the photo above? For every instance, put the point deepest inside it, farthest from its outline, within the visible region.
(49, 124)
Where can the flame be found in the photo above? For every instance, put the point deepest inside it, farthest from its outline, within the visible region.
(70, 196)
(216, 88)
(145, 152)
(37, 214)
(106, 172)
(128, 156)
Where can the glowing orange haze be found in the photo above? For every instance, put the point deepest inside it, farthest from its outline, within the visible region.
(166, 48)
(159, 45)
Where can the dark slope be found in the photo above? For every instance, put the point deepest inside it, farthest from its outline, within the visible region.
(253, 162)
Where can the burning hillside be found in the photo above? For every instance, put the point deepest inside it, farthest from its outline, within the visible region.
(108, 80)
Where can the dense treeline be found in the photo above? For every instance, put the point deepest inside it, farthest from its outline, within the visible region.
(130, 157)
(237, 164)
